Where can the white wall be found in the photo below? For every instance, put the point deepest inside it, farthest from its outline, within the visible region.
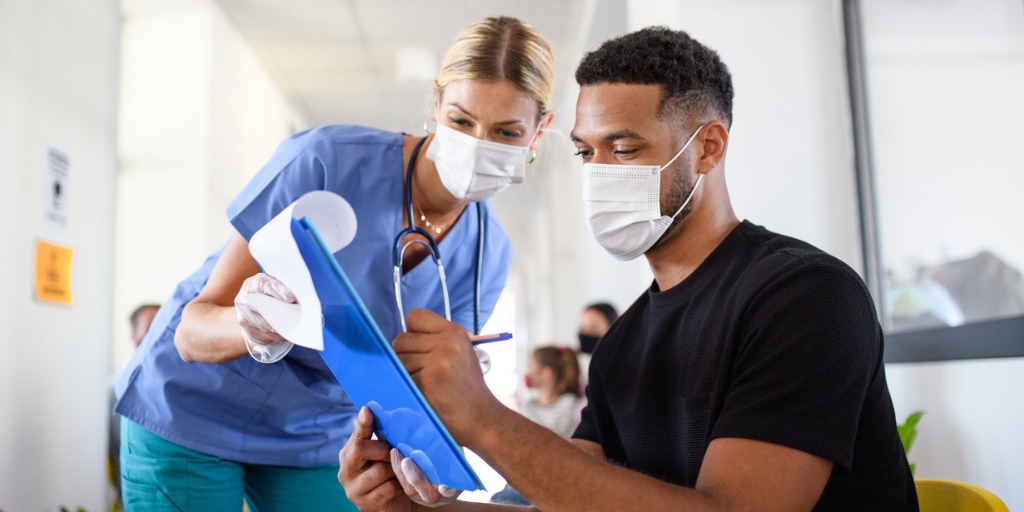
(971, 429)
(199, 117)
(58, 87)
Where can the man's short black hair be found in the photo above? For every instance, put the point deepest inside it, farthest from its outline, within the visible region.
(691, 75)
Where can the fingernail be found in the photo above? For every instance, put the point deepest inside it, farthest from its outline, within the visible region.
(407, 468)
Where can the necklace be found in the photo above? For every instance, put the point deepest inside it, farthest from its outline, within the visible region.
(423, 218)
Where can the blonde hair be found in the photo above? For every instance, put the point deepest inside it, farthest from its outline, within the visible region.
(502, 48)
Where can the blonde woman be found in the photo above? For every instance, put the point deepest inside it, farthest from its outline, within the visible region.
(205, 423)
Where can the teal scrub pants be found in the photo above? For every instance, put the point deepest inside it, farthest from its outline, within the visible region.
(158, 475)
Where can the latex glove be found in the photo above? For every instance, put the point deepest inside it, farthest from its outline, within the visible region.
(416, 485)
(264, 343)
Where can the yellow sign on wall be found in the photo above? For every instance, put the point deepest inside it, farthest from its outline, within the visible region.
(53, 273)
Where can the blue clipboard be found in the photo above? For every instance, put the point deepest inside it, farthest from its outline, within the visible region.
(365, 365)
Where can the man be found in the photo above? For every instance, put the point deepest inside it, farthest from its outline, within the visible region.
(749, 377)
(139, 320)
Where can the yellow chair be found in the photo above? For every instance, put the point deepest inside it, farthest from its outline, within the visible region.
(936, 495)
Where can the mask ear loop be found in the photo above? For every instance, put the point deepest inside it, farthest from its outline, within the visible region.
(680, 152)
(700, 178)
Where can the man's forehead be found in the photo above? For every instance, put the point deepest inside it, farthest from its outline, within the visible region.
(616, 110)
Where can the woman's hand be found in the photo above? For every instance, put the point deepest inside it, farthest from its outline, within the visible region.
(366, 471)
(265, 344)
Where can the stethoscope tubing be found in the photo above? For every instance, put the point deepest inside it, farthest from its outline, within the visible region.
(398, 251)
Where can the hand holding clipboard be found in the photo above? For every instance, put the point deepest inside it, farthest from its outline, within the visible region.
(354, 349)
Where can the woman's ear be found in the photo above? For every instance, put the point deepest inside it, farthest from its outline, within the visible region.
(436, 100)
(545, 122)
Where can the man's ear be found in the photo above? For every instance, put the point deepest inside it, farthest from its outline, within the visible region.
(713, 141)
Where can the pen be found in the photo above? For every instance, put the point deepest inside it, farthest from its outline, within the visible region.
(488, 338)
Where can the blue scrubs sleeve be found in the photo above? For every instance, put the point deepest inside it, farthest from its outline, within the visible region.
(299, 165)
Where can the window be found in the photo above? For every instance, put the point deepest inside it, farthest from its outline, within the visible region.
(939, 122)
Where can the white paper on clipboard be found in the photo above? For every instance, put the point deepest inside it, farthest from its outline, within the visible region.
(273, 246)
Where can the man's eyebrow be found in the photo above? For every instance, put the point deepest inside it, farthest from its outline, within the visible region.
(623, 134)
(614, 136)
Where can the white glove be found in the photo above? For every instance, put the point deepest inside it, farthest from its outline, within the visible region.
(416, 485)
(264, 343)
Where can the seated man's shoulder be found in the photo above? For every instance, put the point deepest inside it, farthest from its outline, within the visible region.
(780, 257)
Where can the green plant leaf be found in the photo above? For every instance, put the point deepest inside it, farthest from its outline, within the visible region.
(908, 430)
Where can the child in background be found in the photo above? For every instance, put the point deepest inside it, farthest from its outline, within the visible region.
(553, 376)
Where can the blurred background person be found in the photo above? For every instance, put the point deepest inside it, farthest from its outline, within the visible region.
(595, 321)
(139, 320)
(553, 379)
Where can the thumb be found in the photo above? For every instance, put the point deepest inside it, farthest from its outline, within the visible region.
(363, 424)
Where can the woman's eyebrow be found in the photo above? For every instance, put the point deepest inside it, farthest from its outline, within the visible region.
(471, 116)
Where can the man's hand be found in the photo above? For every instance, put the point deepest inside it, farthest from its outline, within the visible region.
(416, 485)
(366, 473)
(439, 356)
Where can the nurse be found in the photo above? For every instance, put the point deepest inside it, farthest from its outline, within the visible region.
(216, 406)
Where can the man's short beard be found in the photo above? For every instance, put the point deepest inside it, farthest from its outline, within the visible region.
(679, 188)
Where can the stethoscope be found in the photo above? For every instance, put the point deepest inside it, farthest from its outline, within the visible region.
(398, 251)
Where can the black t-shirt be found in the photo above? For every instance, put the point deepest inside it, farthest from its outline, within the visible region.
(769, 339)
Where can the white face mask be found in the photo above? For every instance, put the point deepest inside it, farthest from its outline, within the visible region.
(473, 169)
(622, 204)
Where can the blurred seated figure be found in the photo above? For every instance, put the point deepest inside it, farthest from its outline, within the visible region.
(979, 288)
(921, 305)
(595, 320)
(984, 286)
(553, 377)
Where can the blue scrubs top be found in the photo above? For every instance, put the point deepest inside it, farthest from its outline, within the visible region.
(293, 412)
